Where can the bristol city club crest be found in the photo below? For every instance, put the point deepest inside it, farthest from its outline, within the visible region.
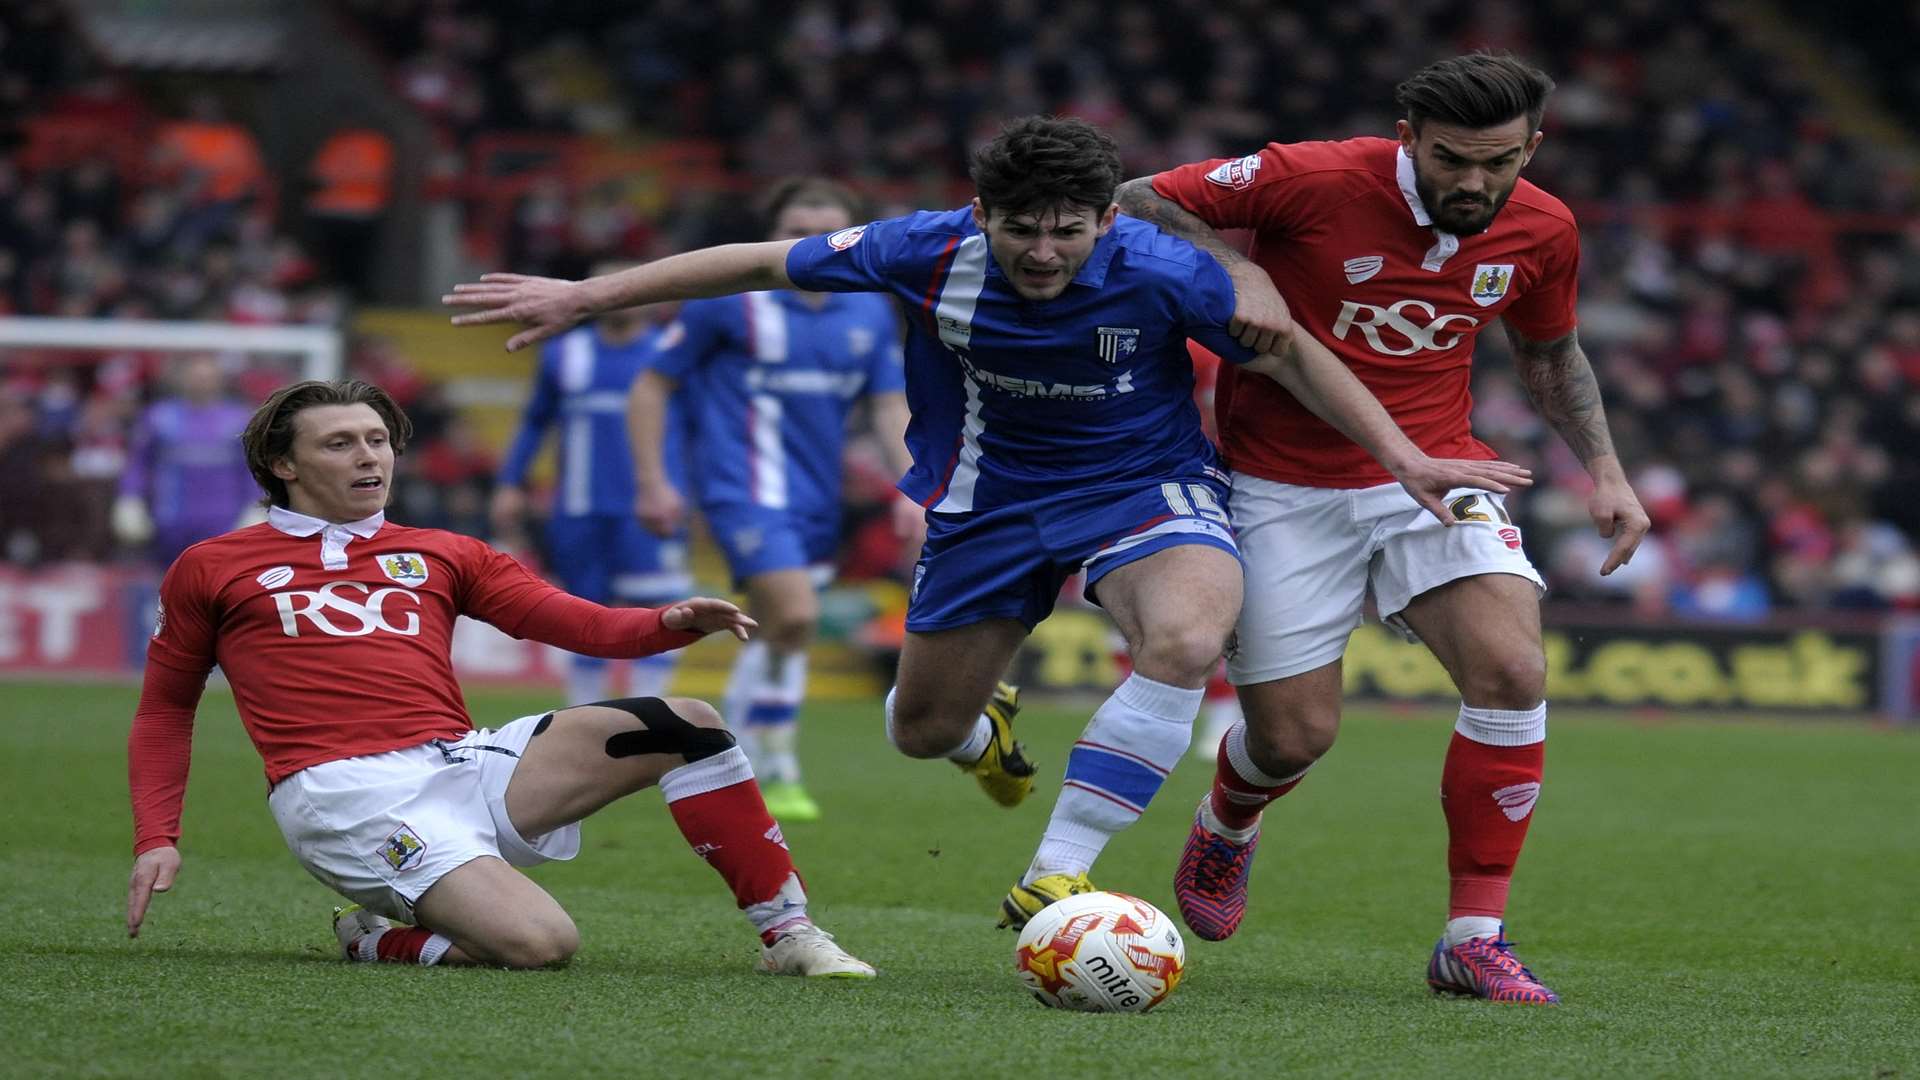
(1490, 281)
(1117, 342)
(407, 568)
(403, 849)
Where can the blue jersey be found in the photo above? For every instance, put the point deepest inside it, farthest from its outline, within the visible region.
(769, 380)
(582, 385)
(1015, 400)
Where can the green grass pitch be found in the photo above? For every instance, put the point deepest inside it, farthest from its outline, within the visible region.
(1710, 898)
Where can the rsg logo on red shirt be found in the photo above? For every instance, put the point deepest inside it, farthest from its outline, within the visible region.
(1430, 334)
(357, 618)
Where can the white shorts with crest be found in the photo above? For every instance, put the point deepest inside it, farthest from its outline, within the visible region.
(380, 830)
(1313, 554)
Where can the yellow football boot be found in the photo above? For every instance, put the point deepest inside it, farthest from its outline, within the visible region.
(1023, 902)
(1004, 771)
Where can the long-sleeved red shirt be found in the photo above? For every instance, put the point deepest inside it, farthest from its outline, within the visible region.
(338, 644)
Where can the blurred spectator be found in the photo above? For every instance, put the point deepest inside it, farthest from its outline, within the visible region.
(186, 476)
(352, 176)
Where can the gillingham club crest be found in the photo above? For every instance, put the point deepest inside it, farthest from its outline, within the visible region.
(407, 568)
(1490, 281)
(1117, 342)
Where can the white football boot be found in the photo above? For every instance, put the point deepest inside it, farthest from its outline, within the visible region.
(353, 922)
(805, 949)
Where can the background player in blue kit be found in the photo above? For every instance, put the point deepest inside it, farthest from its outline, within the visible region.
(595, 545)
(769, 379)
(1053, 431)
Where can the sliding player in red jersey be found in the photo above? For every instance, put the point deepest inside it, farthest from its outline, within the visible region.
(1395, 254)
(335, 627)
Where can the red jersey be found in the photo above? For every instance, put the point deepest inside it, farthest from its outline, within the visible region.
(1342, 232)
(1206, 376)
(338, 644)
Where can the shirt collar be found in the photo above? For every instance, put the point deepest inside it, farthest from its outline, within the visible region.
(295, 523)
(1445, 244)
(1403, 170)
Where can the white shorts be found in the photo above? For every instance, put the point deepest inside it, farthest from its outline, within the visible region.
(1313, 553)
(381, 829)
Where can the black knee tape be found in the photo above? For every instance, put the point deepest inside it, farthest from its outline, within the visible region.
(542, 725)
(666, 732)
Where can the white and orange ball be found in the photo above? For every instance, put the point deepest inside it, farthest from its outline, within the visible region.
(1100, 952)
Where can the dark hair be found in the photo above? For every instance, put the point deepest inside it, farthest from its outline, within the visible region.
(269, 434)
(1478, 90)
(1040, 163)
(808, 191)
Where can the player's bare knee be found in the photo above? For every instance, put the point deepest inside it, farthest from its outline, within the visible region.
(696, 712)
(685, 727)
(1283, 749)
(919, 730)
(1183, 655)
(789, 631)
(1516, 681)
(537, 944)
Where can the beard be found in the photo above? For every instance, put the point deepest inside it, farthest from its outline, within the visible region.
(1461, 218)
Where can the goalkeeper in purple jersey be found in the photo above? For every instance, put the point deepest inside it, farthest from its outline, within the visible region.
(1053, 432)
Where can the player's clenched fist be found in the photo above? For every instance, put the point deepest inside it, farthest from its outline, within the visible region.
(153, 871)
(547, 306)
(705, 615)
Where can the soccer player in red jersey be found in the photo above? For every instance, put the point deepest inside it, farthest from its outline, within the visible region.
(334, 628)
(1395, 254)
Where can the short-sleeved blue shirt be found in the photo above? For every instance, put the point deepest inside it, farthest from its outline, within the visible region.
(1015, 400)
(769, 379)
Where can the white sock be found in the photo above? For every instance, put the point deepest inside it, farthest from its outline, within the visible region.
(787, 906)
(367, 947)
(1134, 740)
(1467, 927)
(648, 676)
(1212, 822)
(779, 758)
(1503, 727)
(586, 680)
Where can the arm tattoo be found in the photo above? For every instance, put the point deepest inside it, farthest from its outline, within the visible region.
(1138, 199)
(1561, 385)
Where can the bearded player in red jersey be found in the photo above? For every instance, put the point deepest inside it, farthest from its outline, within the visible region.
(335, 627)
(1395, 255)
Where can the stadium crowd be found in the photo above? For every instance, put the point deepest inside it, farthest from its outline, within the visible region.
(1750, 279)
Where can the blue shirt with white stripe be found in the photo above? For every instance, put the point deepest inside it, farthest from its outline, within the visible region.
(769, 379)
(582, 387)
(1015, 399)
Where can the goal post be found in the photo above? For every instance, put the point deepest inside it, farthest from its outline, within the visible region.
(319, 349)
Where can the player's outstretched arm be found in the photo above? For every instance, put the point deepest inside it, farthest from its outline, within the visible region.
(153, 871)
(1261, 321)
(549, 306)
(1562, 386)
(1317, 378)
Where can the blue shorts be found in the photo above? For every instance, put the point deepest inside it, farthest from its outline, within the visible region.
(758, 539)
(1010, 562)
(605, 557)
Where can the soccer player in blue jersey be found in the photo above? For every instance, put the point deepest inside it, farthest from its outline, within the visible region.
(1053, 431)
(770, 378)
(595, 544)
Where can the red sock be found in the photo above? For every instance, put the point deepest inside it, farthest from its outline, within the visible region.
(1238, 801)
(731, 829)
(1488, 794)
(402, 944)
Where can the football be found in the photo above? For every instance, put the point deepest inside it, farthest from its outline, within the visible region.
(1100, 952)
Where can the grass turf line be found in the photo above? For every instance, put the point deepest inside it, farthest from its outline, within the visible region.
(1711, 899)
